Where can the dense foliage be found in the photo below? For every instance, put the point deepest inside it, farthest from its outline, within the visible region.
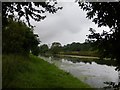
(43, 48)
(19, 39)
(77, 47)
(105, 14)
(55, 48)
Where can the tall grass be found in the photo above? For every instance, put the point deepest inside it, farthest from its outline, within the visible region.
(12, 65)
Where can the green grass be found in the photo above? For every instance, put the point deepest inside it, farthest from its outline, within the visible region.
(33, 72)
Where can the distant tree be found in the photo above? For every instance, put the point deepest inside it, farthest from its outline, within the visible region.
(86, 46)
(105, 14)
(56, 44)
(77, 47)
(43, 48)
(55, 48)
(72, 47)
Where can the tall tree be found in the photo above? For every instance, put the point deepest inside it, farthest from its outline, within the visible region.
(43, 48)
(105, 14)
(55, 48)
(56, 44)
(18, 38)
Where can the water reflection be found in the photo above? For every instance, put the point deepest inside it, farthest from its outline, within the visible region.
(98, 61)
(97, 73)
(113, 85)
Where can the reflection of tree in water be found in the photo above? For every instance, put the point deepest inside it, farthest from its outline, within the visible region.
(85, 60)
(56, 57)
(77, 60)
(113, 85)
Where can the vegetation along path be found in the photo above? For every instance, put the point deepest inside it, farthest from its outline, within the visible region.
(33, 72)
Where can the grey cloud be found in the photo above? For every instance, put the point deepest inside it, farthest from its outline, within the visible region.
(65, 26)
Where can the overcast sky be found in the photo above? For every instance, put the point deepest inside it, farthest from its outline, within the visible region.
(66, 26)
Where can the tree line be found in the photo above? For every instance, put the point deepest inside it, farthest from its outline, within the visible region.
(57, 48)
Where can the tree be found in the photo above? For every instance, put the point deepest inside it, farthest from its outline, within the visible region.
(28, 10)
(43, 48)
(55, 48)
(18, 38)
(72, 47)
(105, 14)
(55, 44)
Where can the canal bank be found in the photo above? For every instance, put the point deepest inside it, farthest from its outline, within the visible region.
(33, 72)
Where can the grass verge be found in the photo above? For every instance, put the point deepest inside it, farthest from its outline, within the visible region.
(81, 53)
(33, 72)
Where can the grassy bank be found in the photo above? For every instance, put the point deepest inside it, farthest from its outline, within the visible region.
(81, 53)
(33, 72)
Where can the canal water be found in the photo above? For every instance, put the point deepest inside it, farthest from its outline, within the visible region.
(93, 72)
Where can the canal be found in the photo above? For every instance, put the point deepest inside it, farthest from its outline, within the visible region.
(94, 72)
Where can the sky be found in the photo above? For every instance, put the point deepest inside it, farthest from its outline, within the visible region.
(66, 26)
